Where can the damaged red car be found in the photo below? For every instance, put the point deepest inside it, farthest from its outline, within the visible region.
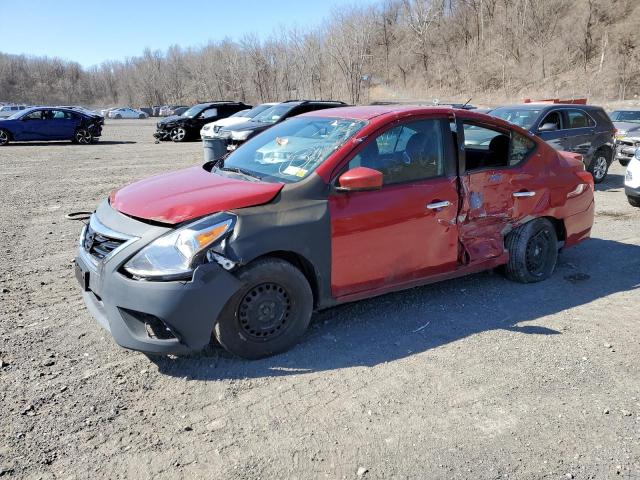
(328, 207)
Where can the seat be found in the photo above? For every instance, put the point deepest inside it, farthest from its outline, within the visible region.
(498, 152)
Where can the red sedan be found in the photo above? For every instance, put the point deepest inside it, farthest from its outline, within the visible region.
(328, 207)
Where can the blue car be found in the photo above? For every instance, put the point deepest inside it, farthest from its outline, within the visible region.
(51, 123)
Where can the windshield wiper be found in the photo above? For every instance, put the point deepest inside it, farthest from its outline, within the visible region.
(240, 171)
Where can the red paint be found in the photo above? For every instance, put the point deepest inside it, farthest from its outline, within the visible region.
(361, 178)
(387, 237)
(190, 193)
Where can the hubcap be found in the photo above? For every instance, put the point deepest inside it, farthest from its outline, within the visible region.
(264, 311)
(600, 167)
(83, 136)
(537, 253)
(178, 134)
(3, 137)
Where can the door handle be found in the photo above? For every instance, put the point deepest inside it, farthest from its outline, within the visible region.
(438, 205)
(524, 194)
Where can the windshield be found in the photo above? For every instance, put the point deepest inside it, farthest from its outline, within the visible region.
(290, 151)
(523, 117)
(241, 113)
(273, 114)
(257, 110)
(626, 116)
(193, 111)
(16, 115)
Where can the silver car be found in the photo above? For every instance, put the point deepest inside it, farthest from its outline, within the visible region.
(627, 123)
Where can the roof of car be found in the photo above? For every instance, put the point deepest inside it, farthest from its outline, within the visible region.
(545, 106)
(367, 112)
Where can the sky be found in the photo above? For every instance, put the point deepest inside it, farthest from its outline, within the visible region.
(90, 32)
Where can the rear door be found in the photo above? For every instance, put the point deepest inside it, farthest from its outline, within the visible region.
(406, 230)
(500, 185)
(62, 124)
(581, 130)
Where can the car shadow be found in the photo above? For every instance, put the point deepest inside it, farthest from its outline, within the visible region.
(398, 325)
(67, 143)
(613, 181)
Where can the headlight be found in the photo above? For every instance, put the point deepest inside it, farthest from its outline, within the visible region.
(177, 253)
(206, 128)
(241, 135)
(637, 154)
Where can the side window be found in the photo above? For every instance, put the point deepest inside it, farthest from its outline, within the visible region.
(578, 119)
(211, 112)
(409, 152)
(60, 115)
(37, 115)
(555, 118)
(486, 147)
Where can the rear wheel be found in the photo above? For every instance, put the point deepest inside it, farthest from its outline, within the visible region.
(82, 136)
(599, 166)
(533, 251)
(634, 201)
(4, 137)
(118, 116)
(269, 313)
(141, 116)
(178, 134)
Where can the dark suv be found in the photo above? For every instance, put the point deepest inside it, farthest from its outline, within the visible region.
(241, 132)
(187, 125)
(583, 129)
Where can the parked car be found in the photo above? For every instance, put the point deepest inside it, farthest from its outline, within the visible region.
(627, 123)
(8, 110)
(325, 208)
(632, 180)
(105, 111)
(583, 129)
(126, 112)
(210, 130)
(50, 123)
(168, 110)
(147, 110)
(180, 128)
(240, 133)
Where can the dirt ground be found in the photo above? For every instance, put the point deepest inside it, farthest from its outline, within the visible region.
(475, 378)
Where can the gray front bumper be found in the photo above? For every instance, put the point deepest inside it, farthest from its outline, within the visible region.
(122, 305)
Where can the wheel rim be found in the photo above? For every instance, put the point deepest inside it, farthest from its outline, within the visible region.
(4, 138)
(264, 312)
(177, 134)
(83, 136)
(600, 167)
(537, 253)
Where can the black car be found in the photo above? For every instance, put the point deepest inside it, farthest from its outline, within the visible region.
(583, 129)
(187, 126)
(241, 132)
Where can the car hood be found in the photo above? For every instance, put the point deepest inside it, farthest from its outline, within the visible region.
(627, 126)
(187, 194)
(172, 119)
(249, 125)
(226, 122)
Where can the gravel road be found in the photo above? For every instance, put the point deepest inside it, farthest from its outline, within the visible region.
(475, 378)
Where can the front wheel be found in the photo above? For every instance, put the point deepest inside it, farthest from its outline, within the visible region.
(599, 166)
(624, 163)
(269, 313)
(634, 201)
(82, 136)
(118, 117)
(533, 251)
(141, 116)
(178, 134)
(4, 137)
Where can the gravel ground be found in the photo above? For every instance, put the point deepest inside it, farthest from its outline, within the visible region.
(475, 378)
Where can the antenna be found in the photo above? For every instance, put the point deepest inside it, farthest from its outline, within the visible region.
(466, 103)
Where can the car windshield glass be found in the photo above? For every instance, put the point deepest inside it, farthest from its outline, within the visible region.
(193, 111)
(523, 117)
(18, 114)
(626, 116)
(290, 151)
(273, 114)
(241, 113)
(257, 110)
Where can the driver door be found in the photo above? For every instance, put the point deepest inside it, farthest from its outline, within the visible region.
(406, 230)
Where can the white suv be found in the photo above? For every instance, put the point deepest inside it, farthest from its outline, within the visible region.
(632, 180)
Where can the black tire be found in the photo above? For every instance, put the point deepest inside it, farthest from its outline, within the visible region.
(599, 165)
(624, 163)
(141, 116)
(118, 116)
(277, 318)
(5, 137)
(82, 136)
(533, 251)
(634, 201)
(178, 134)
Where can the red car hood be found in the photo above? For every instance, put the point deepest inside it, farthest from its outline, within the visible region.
(185, 194)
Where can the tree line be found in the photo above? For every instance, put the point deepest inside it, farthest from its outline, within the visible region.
(395, 49)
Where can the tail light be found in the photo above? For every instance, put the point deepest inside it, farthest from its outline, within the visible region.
(587, 183)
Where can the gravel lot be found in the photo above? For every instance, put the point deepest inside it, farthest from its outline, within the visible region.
(475, 378)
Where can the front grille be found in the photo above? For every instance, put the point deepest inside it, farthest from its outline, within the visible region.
(99, 242)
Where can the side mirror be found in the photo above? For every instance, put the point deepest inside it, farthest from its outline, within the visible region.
(548, 127)
(360, 179)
